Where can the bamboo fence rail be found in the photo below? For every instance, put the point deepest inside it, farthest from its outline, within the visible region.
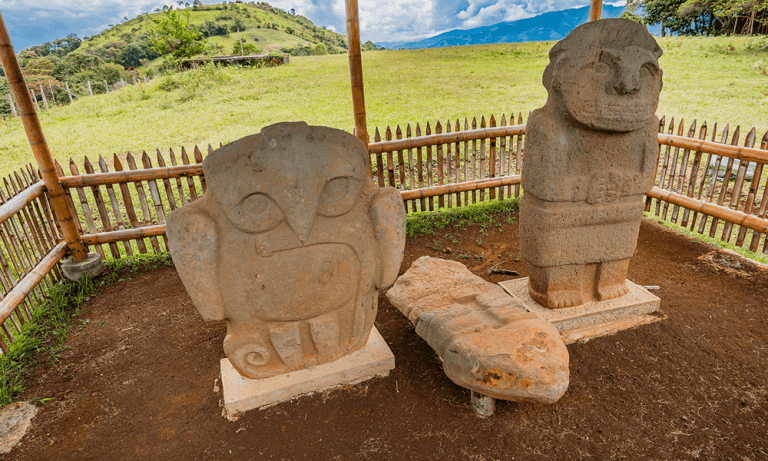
(708, 180)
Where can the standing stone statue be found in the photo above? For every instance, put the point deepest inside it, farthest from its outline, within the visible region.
(290, 244)
(591, 154)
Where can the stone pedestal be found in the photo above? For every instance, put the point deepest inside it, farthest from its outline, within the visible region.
(91, 266)
(592, 319)
(242, 394)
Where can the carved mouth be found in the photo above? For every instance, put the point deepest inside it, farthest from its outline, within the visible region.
(305, 282)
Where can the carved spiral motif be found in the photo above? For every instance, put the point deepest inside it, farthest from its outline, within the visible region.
(251, 355)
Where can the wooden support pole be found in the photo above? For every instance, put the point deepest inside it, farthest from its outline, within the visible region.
(39, 145)
(595, 10)
(106, 86)
(34, 100)
(90, 90)
(356, 71)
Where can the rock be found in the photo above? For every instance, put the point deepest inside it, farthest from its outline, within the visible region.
(15, 420)
(486, 340)
(290, 244)
(591, 154)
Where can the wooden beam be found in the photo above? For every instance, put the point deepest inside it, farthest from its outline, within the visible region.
(749, 154)
(15, 297)
(14, 205)
(120, 177)
(595, 10)
(356, 71)
(39, 145)
(125, 234)
(460, 187)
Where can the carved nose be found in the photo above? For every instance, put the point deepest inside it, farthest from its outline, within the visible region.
(628, 81)
(301, 220)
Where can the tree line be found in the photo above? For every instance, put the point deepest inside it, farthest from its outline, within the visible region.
(701, 17)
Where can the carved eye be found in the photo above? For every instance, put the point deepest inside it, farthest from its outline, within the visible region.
(648, 70)
(339, 195)
(256, 213)
(601, 68)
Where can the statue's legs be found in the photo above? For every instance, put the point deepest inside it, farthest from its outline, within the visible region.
(559, 286)
(611, 279)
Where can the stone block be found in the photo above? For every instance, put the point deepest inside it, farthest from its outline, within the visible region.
(242, 394)
(91, 266)
(487, 341)
(593, 319)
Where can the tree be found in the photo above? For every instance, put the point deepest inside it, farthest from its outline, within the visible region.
(172, 36)
(633, 17)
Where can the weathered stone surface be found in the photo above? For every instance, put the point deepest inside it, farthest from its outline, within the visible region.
(591, 154)
(243, 394)
(487, 341)
(290, 244)
(15, 420)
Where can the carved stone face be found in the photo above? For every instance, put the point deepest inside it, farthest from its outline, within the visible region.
(606, 79)
(289, 243)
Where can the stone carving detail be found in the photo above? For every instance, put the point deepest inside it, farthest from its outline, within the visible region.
(290, 244)
(591, 154)
(485, 338)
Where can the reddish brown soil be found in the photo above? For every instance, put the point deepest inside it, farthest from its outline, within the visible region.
(137, 381)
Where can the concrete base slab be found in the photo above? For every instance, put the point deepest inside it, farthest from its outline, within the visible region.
(593, 319)
(92, 266)
(242, 394)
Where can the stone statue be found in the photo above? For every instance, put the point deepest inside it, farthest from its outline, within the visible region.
(591, 154)
(290, 244)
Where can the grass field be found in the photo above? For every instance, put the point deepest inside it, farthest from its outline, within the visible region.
(714, 79)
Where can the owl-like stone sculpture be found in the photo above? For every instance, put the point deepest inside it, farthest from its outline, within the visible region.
(290, 244)
(591, 154)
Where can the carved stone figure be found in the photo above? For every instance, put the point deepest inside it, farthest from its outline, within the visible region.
(290, 244)
(485, 338)
(591, 154)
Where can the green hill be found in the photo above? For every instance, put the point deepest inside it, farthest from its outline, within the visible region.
(262, 26)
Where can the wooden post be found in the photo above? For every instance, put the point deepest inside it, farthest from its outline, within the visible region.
(134, 79)
(39, 146)
(34, 100)
(106, 86)
(90, 90)
(69, 93)
(595, 10)
(10, 101)
(122, 82)
(240, 40)
(356, 71)
(53, 96)
(45, 100)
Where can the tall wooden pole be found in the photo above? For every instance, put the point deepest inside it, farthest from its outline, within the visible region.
(595, 10)
(39, 145)
(356, 70)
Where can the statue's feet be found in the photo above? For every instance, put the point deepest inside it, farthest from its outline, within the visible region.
(605, 293)
(611, 279)
(558, 298)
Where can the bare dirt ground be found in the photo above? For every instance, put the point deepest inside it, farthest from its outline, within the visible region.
(138, 378)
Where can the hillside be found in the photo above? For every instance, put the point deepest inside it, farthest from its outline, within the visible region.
(718, 79)
(554, 25)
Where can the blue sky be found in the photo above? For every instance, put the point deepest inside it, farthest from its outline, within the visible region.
(32, 22)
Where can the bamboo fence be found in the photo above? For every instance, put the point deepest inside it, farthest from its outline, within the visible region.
(709, 180)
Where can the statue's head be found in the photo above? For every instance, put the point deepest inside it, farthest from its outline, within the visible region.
(605, 75)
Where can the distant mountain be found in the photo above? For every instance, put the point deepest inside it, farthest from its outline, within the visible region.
(554, 25)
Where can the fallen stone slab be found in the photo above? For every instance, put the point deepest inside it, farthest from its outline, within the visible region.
(487, 341)
(15, 420)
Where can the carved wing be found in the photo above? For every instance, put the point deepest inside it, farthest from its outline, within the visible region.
(388, 218)
(193, 242)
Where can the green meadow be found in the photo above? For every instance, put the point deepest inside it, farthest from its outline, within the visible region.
(720, 80)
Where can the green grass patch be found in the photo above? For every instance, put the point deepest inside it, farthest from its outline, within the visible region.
(41, 340)
(483, 213)
(703, 79)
